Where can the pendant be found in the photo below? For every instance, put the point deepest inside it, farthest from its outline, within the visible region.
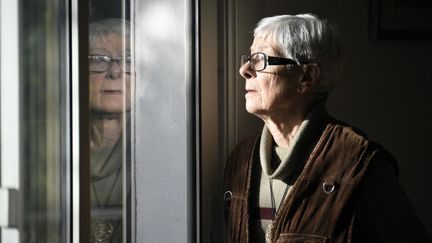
(269, 233)
(102, 231)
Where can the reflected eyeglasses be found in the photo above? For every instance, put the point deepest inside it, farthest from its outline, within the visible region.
(101, 63)
(259, 61)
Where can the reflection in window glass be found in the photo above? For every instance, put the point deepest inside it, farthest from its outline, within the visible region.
(43, 100)
(110, 104)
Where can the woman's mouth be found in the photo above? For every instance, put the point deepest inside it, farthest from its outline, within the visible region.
(112, 92)
(250, 92)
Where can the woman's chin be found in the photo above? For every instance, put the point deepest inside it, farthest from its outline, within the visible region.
(253, 109)
(109, 110)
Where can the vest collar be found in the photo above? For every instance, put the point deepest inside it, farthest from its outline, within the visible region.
(305, 139)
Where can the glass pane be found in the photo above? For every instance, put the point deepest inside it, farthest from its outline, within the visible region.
(36, 99)
(159, 104)
(166, 119)
(110, 76)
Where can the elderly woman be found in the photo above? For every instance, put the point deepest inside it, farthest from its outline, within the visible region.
(110, 102)
(308, 177)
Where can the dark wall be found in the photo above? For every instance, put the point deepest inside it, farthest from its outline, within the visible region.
(100, 9)
(385, 89)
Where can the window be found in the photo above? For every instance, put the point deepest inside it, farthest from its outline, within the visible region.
(99, 119)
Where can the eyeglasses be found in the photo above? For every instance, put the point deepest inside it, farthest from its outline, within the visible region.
(101, 63)
(259, 61)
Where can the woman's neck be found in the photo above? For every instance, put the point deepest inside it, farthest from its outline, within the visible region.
(283, 126)
(283, 132)
(105, 130)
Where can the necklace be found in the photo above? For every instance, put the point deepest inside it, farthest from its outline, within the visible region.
(102, 230)
(270, 228)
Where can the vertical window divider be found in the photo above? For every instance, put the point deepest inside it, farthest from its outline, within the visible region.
(80, 123)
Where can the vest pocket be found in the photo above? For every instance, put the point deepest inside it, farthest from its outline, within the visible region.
(301, 238)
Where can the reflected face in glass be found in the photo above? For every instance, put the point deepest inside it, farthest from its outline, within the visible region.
(272, 89)
(110, 89)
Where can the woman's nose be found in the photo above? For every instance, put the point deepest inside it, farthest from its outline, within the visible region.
(115, 70)
(246, 71)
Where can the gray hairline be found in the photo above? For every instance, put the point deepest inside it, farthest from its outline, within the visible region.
(306, 48)
(278, 29)
(104, 27)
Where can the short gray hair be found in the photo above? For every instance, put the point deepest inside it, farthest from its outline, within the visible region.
(102, 28)
(306, 38)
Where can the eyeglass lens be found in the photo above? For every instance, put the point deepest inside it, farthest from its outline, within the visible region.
(103, 63)
(257, 61)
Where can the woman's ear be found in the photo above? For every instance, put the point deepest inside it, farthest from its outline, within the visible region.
(311, 74)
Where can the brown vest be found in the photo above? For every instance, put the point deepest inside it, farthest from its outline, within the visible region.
(320, 207)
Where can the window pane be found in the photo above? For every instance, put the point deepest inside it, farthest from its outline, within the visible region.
(110, 77)
(165, 120)
(34, 116)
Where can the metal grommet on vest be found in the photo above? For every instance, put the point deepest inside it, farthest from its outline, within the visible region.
(228, 196)
(328, 187)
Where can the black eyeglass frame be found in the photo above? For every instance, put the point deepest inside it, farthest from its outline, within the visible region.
(110, 60)
(269, 60)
